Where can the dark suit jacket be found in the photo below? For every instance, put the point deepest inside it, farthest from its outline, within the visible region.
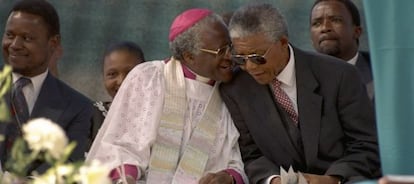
(97, 119)
(66, 107)
(363, 65)
(336, 122)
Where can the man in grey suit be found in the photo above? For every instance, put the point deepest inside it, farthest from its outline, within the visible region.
(296, 108)
(335, 28)
(30, 38)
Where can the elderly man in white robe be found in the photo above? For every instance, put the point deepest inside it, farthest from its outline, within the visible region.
(167, 123)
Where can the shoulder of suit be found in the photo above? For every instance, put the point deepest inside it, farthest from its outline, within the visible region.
(240, 76)
(241, 81)
(366, 56)
(69, 92)
(318, 59)
(320, 65)
(364, 53)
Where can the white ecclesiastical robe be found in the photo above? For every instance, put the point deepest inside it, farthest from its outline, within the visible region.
(130, 129)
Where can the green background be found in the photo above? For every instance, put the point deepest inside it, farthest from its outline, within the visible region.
(88, 26)
(391, 39)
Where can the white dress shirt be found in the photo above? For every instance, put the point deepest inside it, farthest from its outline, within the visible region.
(31, 91)
(288, 78)
(353, 60)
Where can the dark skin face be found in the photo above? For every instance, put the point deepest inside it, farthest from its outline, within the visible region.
(208, 64)
(117, 65)
(27, 44)
(277, 56)
(332, 30)
(213, 37)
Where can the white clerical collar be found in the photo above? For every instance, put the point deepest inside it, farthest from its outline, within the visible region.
(353, 60)
(188, 73)
(287, 75)
(202, 79)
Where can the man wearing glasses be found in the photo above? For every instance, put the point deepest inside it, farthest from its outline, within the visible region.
(295, 108)
(167, 123)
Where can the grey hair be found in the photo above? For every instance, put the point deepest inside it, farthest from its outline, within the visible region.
(189, 40)
(258, 18)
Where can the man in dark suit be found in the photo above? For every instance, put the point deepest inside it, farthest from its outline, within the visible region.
(295, 108)
(335, 28)
(30, 38)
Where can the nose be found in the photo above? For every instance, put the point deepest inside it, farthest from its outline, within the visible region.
(16, 43)
(227, 55)
(250, 65)
(326, 26)
(120, 79)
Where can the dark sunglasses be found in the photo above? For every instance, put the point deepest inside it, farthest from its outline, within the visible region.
(255, 58)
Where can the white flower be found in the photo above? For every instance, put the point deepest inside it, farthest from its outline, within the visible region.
(64, 170)
(42, 134)
(94, 173)
(48, 178)
(55, 175)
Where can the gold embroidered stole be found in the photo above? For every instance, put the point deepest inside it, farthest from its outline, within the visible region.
(165, 165)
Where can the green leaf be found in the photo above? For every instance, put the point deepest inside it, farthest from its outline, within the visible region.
(68, 150)
(5, 86)
(19, 159)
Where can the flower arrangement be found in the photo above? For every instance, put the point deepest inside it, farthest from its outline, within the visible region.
(44, 140)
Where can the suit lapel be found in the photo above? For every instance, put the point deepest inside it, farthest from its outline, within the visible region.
(309, 105)
(264, 109)
(364, 68)
(50, 102)
(363, 65)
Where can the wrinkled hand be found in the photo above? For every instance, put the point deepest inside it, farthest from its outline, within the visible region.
(322, 179)
(216, 178)
(129, 180)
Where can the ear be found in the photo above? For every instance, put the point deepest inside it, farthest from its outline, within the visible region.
(284, 41)
(54, 42)
(357, 32)
(188, 58)
(284, 49)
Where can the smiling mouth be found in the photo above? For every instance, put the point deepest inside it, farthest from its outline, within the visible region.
(257, 74)
(226, 67)
(14, 55)
(15, 58)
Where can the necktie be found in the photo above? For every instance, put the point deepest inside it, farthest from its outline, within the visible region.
(283, 100)
(19, 101)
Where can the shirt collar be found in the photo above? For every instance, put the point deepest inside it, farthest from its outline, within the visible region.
(288, 74)
(37, 80)
(353, 60)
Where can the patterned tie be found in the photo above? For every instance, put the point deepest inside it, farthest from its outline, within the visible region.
(19, 101)
(283, 100)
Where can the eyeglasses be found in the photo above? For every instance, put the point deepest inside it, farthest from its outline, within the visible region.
(219, 52)
(255, 58)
